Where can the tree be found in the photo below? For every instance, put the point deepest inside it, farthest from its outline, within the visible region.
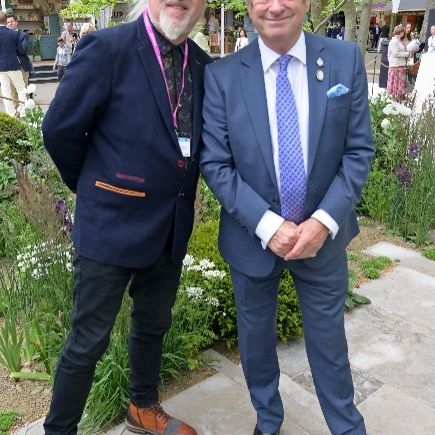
(430, 5)
(349, 9)
(318, 13)
(364, 24)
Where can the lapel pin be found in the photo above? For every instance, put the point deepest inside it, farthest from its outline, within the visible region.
(319, 75)
(319, 62)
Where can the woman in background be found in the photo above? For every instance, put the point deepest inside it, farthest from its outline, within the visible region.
(242, 40)
(397, 59)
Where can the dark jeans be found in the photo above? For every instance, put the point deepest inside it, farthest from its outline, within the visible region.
(98, 293)
(60, 72)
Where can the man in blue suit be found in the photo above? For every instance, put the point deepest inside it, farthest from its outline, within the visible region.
(124, 131)
(287, 149)
(10, 70)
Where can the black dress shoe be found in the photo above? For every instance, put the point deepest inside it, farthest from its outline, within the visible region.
(258, 432)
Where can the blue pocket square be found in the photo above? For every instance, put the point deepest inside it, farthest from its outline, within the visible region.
(337, 90)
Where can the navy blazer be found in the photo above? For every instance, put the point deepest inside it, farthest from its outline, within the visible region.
(238, 163)
(10, 48)
(109, 131)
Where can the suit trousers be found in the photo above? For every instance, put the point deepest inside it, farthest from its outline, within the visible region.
(9, 79)
(322, 294)
(14, 93)
(98, 292)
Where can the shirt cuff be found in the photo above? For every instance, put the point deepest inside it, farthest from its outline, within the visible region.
(267, 227)
(325, 218)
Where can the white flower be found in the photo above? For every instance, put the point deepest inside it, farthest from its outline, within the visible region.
(214, 274)
(31, 89)
(194, 292)
(397, 109)
(29, 104)
(195, 267)
(385, 124)
(188, 260)
(206, 264)
(211, 300)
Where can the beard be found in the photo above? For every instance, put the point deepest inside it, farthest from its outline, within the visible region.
(174, 29)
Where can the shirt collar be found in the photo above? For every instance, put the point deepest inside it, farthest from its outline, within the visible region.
(268, 56)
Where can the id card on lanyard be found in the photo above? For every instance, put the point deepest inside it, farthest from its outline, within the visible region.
(183, 142)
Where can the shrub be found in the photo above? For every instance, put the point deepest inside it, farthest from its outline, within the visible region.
(11, 132)
(7, 421)
(203, 244)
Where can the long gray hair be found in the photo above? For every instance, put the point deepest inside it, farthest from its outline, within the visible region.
(137, 7)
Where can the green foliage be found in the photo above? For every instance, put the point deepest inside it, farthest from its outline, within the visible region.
(32, 122)
(203, 244)
(10, 345)
(7, 421)
(7, 178)
(371, 268)
(429, 253)
(11, 131)
(82, 8)
(401, 186)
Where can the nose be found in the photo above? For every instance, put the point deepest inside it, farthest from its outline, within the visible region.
(276, 6)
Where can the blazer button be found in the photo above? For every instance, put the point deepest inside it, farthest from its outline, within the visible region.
(180, 163)
(181, 194)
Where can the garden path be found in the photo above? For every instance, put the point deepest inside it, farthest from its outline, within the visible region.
(392, 354)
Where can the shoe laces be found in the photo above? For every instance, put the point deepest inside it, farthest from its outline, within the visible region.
(160, 412)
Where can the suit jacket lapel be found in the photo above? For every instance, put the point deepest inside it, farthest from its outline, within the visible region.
(254, 92)
(197, 73)
(155, 77)
(317, 90)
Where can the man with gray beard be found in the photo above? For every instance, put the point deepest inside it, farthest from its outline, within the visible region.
(129, 149)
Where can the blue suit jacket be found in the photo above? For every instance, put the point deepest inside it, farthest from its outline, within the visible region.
(237, 160)
(109, 131)
(10, 49)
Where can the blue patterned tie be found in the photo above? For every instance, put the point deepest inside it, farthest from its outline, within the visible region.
(291, 161)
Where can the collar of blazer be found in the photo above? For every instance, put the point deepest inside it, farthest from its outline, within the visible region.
(157, 84)
(256, 97)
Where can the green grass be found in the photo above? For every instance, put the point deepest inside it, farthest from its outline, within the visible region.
(7, 421)
(430, 254)
(371, 268)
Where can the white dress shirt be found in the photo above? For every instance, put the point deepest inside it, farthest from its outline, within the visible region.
(431, 44)
(297, 74)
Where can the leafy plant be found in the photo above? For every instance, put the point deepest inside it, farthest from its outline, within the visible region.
(429, 253)
(7, 421)
(10, 345)
(12, 131)
(371, 267)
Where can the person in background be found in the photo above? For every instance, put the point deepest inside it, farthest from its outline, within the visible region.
(242, 40)
(87, 28)
(376, 36)
(124, 131)
(408, 36)
(397, 60)
(383, 35)
(26, 65)
(287, 150)
(67, 33)
(74, 40)
(213, 24)
(431, 40)
(10, 68)
(63, 57)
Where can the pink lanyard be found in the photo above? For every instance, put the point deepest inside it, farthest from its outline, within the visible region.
(152, 37)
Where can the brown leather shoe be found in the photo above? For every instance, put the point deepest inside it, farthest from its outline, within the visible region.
(155, 421)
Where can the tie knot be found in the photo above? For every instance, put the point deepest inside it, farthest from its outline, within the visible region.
(283, 63)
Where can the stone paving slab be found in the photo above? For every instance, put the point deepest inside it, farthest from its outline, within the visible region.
(393, 413)
(406, 257)
(398, 353)
(406, 293)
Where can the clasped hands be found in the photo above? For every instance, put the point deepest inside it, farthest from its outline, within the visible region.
(296, 242)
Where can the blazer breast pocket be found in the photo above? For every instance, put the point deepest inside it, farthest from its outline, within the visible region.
(339, 102)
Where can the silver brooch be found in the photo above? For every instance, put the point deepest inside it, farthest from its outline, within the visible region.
(319, 75)
(319, 62)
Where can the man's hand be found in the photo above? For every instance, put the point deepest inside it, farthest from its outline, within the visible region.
(312, 235)
(284, 238)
